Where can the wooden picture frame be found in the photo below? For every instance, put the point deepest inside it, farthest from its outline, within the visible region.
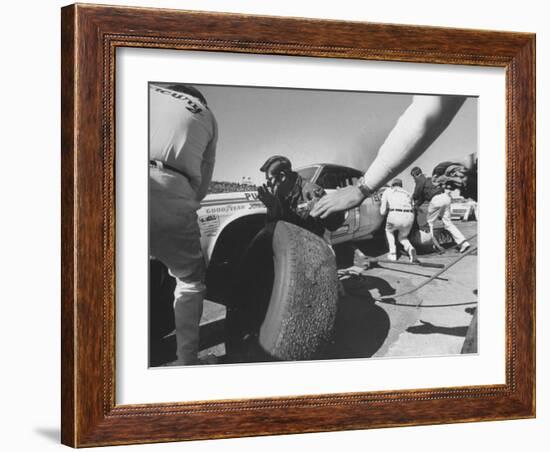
(90, 36)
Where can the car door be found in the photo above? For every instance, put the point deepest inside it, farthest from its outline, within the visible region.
(332, 178)
(369, 219)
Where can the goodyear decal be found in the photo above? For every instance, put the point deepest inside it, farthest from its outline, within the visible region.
(225, 208)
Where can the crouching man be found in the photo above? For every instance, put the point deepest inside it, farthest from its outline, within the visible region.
(287, 197)
(398, 205)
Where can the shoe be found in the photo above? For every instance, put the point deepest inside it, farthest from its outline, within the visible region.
(463, 247)
(392, 257)
(412, 255)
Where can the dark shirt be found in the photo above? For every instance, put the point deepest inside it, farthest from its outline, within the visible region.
(425, 190)
(297, 203)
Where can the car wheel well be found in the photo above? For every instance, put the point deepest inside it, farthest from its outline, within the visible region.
(236, 235)
(228, 250)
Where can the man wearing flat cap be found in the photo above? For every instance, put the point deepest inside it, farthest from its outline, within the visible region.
(289, 197)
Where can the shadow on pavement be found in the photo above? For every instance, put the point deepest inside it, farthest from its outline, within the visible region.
(346, 252)
(361, 326)
(429, 328)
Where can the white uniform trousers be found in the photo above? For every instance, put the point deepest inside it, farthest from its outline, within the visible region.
(400, 222)
(440, 207)
(175, 240)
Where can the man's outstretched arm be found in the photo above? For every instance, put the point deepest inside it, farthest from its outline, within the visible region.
(417, 128)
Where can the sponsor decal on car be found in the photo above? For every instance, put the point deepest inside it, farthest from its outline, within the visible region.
(225, 208)
(209, 224)
(255, 205)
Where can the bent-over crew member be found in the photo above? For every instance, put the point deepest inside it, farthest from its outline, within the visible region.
(182, 149)
(397, 204)
(440, 208)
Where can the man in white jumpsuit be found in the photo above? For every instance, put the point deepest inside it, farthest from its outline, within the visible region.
(440, 207)
(182, 146)
(397, 203)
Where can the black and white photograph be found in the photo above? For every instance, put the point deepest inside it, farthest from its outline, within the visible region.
(246, 226)
(292, 224)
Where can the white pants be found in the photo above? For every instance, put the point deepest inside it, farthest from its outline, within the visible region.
(174, 239)
(400, 222)
(440, 207)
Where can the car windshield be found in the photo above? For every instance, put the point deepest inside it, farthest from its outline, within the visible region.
(308, 172)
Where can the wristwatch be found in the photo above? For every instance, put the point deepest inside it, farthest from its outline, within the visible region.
(364, 188)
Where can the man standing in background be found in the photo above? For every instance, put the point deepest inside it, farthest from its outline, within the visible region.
(397, 204)
(182, 147)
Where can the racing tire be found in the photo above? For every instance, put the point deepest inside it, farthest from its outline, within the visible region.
(302, 308)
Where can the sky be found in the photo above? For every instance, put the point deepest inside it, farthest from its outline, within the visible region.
(319, 126)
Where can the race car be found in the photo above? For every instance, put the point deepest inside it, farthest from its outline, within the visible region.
(228, 221)
(299, 313)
